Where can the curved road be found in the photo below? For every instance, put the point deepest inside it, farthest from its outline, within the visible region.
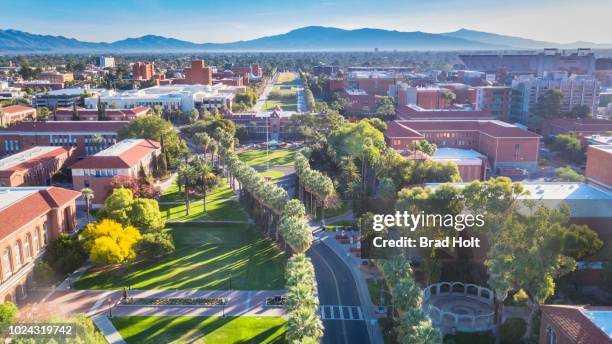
(337, 288)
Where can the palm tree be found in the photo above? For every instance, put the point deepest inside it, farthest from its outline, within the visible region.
(415, 327)
(202, 140)
(204, 173)
(406, 294)
(87, 194)
(304, 325)
(186, 174)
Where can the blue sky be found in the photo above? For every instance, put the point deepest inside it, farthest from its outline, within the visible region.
(222, 21)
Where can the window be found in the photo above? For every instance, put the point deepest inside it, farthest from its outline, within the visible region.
(551, 335)
(36, 240)
(44, 235)
(27, 247)
(17, 255)
(6, 263)
(517, 151)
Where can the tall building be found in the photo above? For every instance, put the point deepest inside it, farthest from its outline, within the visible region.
(106, 62)
(198, 74)
(124, 159)
(143, 70)
(576, 90)
(495, 99)
(31, 218)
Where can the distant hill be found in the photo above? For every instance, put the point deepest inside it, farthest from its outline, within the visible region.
(303, 39)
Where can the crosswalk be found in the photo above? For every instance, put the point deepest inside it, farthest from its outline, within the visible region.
(340, 312)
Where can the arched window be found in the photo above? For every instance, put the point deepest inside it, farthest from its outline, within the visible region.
(6, 263)
(17, 251)
(36, 241)
(551, 335)
(45, 239)
(27, 246)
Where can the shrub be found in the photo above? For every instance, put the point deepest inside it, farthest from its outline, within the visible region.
(154, 245)
(109, 242)
(43, 273)
(8, 312)
(513, 330)
(65, 254)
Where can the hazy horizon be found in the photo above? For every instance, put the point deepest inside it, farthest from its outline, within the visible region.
(210, 22)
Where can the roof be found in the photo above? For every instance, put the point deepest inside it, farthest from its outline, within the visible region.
(64, 126)
(29, 158)
(459, 156)
(493, 128)
(15, 109)
(398, 130)
(584, 200)
(21, 205)
(133, 111)
(124, 154)
(578, 323)
(605, 148)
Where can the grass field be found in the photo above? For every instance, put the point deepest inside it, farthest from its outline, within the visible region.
(286, 78)
(206, 256)
(243, 330)
(276, 157)
(274, 174)
(172, 194)
(216, 210)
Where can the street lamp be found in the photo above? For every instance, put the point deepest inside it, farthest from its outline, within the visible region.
(110, 307)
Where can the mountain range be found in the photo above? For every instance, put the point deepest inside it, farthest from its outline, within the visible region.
(303, 39)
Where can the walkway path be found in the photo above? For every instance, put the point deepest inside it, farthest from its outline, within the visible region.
(264, 94)
(107, 328)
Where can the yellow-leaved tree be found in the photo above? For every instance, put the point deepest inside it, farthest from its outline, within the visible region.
(109, 242)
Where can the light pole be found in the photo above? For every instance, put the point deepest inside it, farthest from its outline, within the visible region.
(110, 307)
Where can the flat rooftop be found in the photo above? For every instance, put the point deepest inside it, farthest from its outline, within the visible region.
(21, 157)
(119, 147)
(601, 319)
(10, 195)
(458, 155)
(605, 148)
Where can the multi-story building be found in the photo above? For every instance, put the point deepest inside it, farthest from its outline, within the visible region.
(124, 159)
(106, 62)
(504, 144)
(67, 114)
(31, 218)
(416, 112)
(599, 166)
(87, 137)
(198, 74)
(35, 166)
(495, 99)
(143, 70)
(38, 85)
(169, 97)
(271, 125)
(576, 90)
(62, 98)
(16, 113)
(574, 324)
(580, 62)
(56, 77)
(9, 92)
(472, 165)
(433, 98)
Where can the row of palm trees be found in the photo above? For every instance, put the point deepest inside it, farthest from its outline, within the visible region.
(319, 186)
(412, 323)
(197, 173)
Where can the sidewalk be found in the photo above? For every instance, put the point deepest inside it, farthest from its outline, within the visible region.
(107, 328)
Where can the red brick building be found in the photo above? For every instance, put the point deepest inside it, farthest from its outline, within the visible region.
(582, 127)
(569, 324)
(143, 70)
(16, 113)
(34, 166)
(433, 98)
(31, 217)
(599, 166)
(457, 113)
(505, 145)
(123, 159)
(87, 137)
(495, 99)
(67, 114)
(198, 73)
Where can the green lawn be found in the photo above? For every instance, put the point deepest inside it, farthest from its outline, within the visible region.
(276, 157)
(216, 210)
(183, 329)
(287, 103)
(286, 78)
(206, 256)
(274, 174)
(172, 194)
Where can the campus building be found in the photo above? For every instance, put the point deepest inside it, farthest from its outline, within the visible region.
(31, 217)
(583, 128)
(35, 166)
(270, 124)
(56, 77)
(198, 74)
(106, 62)
(573, 324)
(87, 137)
(169, 97)
(599, 166)
(67, 114)
(495, 99)
(62, 98)
(124, 159)
(143, 70)
(16, 113)
(505, 145)
(579, 90)
(38, 85)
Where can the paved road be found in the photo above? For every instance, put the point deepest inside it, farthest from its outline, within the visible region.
(337, 288)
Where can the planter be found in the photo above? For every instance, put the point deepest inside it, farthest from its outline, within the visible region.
(276, 301)
(191, 301)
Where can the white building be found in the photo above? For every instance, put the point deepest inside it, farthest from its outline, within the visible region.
(7, 92)
(170, 97)
(106, 62)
